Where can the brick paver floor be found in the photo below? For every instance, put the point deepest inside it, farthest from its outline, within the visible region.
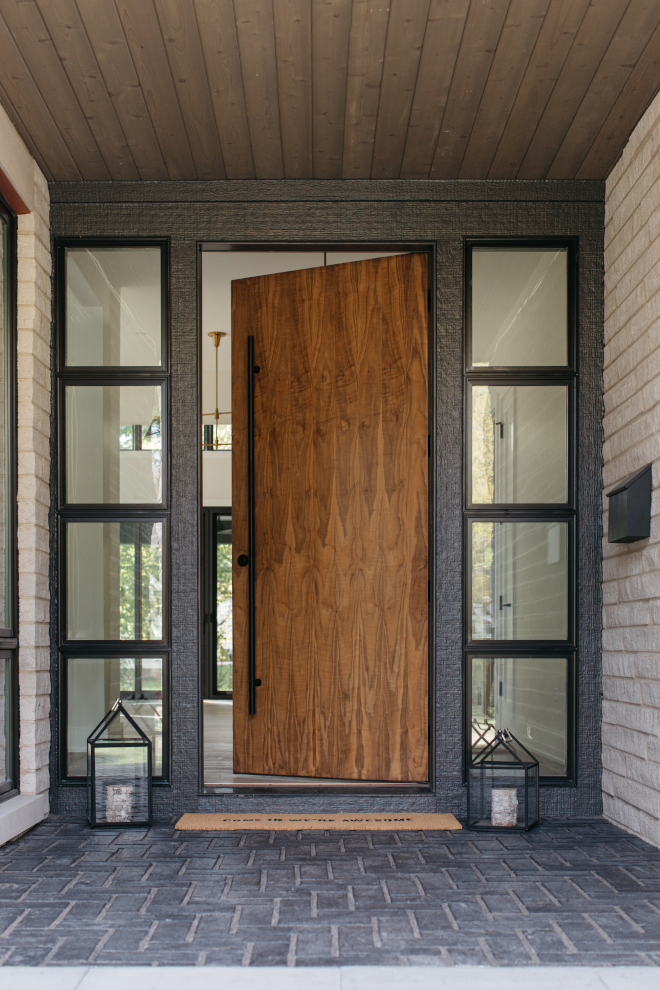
(570, 894)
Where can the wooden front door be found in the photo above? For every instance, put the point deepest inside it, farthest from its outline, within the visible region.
(340, 521)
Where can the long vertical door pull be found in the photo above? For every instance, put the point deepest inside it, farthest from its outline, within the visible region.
(252, 682)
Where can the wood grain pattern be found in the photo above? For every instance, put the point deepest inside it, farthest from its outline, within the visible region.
(217, 29)
(341, 480)
(596, 31)
(293, 45)
(623, 53)
(180, 33)
(405, 37)
(68, 34)
(326, 89)
(36, 46)
(560, 25)
(442, 41)
(28, 112)
(523, 23)
(106, 36)
(365, 69)
(629, 106)
(142, 31)
(331, 24)
(483, 28)
(256, 42)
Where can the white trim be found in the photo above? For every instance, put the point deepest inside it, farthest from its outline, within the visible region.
(430, 977)
(20, 813)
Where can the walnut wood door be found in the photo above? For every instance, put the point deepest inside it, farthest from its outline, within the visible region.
(340, 521)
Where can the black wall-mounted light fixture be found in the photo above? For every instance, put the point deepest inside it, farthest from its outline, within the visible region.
(630, 508)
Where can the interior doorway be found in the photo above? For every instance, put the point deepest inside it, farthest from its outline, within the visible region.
(379, 697)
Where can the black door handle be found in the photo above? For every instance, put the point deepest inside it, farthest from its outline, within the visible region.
(252, 680)
(243, 560)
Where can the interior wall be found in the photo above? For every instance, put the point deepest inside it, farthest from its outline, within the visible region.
(631, 589)
(439, 213)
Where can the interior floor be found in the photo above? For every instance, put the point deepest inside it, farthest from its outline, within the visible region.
(219, 756)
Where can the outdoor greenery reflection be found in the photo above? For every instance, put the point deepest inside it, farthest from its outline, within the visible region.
(224, 624)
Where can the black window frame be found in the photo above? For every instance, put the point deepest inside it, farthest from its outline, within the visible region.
(209, 571)
(571, 702)
(100, 375)
(94, 653)
(62, 244)
(100, 382)
(9, 633)
(524, 512)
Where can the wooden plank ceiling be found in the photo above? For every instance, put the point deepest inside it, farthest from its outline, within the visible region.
(327, 89)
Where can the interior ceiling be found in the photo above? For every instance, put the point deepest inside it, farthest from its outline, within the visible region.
(327, 89)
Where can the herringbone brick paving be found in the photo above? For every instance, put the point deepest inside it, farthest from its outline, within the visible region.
(566, 893)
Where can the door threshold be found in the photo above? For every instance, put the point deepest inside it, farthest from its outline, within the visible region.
(317, 787)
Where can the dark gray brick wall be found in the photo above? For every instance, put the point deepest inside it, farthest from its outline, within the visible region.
(441, 213)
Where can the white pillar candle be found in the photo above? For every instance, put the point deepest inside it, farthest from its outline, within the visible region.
(504, 806)
(118, 802)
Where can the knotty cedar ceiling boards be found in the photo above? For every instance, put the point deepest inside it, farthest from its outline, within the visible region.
(269, 89)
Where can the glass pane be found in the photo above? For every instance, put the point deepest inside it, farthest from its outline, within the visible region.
(224, 644)
(6, 726)
(528, 696)
(519, 442)
(114, 580)
(519, 580)
(5, 467)
(113, 443)
(519, 307)
(113, 315)
(93, 686)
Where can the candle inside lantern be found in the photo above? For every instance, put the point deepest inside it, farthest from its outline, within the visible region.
(118, 802)
(504, 806)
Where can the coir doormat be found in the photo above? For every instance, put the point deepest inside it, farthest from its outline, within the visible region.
(378, 821)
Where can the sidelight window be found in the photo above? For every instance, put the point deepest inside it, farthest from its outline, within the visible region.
(113, 306)
(519, 307)
(113, 493)
(114, 580)
(520, 500)
(8, 588)
(519, 586)
(529, 696)
(519, 452)
(114, 444)
(93, 684)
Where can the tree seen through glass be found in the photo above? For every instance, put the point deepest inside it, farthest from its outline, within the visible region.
(224, 625)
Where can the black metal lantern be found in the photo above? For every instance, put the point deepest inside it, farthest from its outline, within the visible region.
(503, 786)
(118, 771)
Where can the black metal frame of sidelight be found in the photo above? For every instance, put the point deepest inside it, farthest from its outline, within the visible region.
(68, 513)
(519, 512)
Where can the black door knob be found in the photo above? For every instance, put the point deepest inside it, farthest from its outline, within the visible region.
(243, 560)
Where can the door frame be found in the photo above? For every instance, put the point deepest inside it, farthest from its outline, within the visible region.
(429, 248)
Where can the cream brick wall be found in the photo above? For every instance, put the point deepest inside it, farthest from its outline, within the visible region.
(34, 336)
(631, 572)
